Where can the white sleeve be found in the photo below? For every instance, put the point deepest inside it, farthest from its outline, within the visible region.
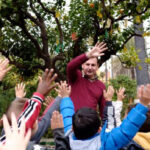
(118, 108)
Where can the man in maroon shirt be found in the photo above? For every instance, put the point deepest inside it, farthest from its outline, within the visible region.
(86, 89)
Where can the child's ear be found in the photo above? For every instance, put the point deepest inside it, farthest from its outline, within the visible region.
(100, 128)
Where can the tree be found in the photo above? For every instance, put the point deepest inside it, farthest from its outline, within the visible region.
(142, 66)
(36, 34)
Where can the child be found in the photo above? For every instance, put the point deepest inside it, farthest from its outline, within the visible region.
(112, 113)
(32, 107)
(85, 126)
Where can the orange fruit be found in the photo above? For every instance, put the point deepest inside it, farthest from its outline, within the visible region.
(91, 5)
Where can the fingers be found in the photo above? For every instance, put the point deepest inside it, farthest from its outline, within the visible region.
(104, 93)
(48, 101)
(49, 75)
(53, 78)
(14, 124)
(53, 86)
(4, 63)
(20, 90)
(140, 91)
(24, 94)
(44, 76)
(56, 120)
(22, 127)
(69, 88)
(40, 79)
(101, 46)
(6, 126)
(27, 137)
(9, 68)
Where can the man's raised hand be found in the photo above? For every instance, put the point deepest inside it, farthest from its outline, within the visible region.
(97, 50)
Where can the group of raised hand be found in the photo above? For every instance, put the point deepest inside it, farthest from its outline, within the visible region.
(16, 139)
(110, 92)
(143, 93)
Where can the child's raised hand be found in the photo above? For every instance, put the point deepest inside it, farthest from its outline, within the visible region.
(56, 120)
(109, 93)
(48, 100)
(45, 82)
(15, 139)
(120, 94)
(4, 68)
(20, 90)
(144, 94)
(63, 89)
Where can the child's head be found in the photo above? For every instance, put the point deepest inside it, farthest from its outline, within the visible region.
(146, 126)
(16, 107)
(86, 123)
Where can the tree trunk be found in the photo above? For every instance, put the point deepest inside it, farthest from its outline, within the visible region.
(133, 73)
(142, 75)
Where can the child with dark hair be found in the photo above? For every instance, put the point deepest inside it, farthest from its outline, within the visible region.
(83, 122)
(112, 113)
(93, 139)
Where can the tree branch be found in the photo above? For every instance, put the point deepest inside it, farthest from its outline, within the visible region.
(55, 59)
(57, 22)
(35, 42)
(36, 21)
(129, 39)
(107, 12)
(44, 8)
(118, 2)
(33, 9)
(142, 12)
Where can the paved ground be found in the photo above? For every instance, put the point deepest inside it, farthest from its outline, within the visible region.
(49, 143)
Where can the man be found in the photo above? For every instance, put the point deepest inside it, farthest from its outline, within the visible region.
(86, 89)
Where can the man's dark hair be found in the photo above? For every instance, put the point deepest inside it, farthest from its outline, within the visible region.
(86, 123)
(146, 126)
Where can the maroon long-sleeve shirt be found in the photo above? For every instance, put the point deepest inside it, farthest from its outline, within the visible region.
(84, 93)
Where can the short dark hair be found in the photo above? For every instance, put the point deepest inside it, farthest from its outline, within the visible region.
(86, 123)
(146, 126)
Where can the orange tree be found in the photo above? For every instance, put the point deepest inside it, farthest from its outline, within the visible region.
(36, 35)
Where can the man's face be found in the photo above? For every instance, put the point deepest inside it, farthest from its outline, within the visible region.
(90, 67)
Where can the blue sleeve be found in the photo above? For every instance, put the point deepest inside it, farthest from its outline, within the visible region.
(44, 123)
(67, 111)
(122, 135)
